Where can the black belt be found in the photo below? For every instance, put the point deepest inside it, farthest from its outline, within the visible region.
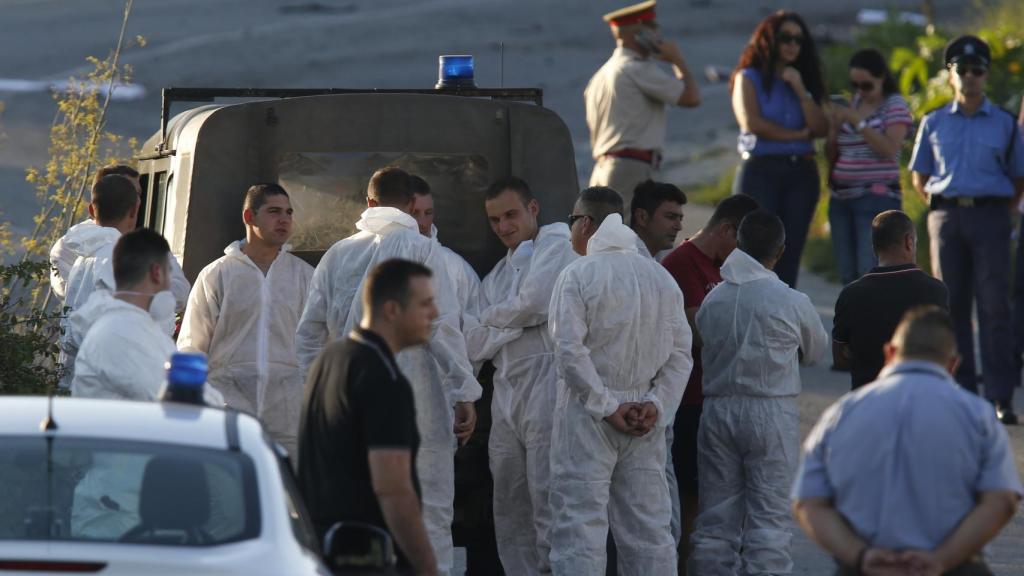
(786, 158)
(936, 201)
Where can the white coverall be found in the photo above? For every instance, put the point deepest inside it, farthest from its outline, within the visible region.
(244, 321)
(755, 329)
(512, 330)
(619, 337)
(64, 252)
(464, 278)
(334, 308)
(94, 269)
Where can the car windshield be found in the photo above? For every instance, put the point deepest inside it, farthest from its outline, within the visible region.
(90, 489)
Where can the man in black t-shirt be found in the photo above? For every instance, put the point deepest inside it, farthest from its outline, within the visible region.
(869, 309)
(358, 436)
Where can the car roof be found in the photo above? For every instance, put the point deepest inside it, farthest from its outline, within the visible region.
(164, 422)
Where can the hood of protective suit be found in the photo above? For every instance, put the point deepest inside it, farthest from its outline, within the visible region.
(85, 240)
(612, 236)
(384, 219)
(99, 303)
(741, 268)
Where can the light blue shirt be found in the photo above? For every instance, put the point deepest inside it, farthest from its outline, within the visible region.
(903, 458)
(969, 156)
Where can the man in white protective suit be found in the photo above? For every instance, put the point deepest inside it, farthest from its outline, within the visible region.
(623, 358)
(755, 330)
(440, 373)
(512, 330)
(114, 208)
(464, 278)
(243, 312)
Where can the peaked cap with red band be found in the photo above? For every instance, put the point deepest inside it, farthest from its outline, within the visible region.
(635, 14)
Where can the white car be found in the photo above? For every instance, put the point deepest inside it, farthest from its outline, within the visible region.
(119, 488)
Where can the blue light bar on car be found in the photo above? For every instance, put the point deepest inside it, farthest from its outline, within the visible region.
(455, 71)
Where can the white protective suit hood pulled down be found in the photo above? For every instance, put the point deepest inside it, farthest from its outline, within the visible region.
(439, 372)
(65, 251)
(620, 335)
(512, 329)
(245, 322)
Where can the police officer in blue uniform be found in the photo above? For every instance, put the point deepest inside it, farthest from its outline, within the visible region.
(968, 164)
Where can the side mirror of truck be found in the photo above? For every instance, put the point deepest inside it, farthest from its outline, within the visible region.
(355, 547)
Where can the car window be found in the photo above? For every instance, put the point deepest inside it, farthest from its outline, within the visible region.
(88, 489)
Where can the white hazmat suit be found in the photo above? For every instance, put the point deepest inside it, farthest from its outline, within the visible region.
(94, 270)
(64, 252)
(440, 372)
(619, 337)
(244, 321)
(464, 278)
(755, 329)
(512, 330)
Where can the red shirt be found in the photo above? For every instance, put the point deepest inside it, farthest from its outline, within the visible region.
(696, 273)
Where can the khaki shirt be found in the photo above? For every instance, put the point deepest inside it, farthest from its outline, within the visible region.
(626, 103)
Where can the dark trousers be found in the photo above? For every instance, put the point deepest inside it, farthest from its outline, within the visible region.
(789, 187)
(1018, 302)
(970, 568)
(970, 252)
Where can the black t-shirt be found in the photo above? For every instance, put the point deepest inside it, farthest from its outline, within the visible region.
(869, 309)
(356, 399)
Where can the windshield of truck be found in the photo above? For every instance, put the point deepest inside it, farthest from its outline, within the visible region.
(328, 190)
(91, 489)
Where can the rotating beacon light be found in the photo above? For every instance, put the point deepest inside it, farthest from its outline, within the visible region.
(186, 376)
(454, 71)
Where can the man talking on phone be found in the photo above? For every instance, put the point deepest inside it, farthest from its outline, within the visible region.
(627, 99)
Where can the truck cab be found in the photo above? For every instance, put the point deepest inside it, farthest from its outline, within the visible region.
(323, 145)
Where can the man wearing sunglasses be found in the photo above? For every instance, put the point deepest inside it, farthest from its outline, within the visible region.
(968, 164)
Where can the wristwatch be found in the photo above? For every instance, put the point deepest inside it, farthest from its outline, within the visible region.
(862, 125)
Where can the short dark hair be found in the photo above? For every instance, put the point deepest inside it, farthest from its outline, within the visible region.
(888, 230)
(389, 281)
(649, 195)
(257, 194)
(925, 332)
(761, 234)
(600, 201)
(419, 186)
(732, 210)
(113, 197)
(116, 170)
(513, 183)
(135, 252)
(874, 62)
(389, 186)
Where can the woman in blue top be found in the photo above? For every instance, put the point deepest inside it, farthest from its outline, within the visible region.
(777, 89)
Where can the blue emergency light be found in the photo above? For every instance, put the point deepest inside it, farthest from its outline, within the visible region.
(455, 72)
(186, 376)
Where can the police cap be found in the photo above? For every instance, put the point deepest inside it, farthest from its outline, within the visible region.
(967, 47)
(635, 14)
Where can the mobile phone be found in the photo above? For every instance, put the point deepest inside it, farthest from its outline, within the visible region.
(839, 99)
(648, 40)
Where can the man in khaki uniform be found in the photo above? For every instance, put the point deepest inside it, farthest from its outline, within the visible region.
(626, 100)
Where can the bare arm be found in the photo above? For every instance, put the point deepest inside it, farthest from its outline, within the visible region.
(918, 180)
(840, 356)
(391, 476)
(823, 524)
(691, 319)
(748, 115)
(832, 139)
(690, 98)
(993, 510)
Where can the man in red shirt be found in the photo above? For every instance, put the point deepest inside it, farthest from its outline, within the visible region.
(695, 265)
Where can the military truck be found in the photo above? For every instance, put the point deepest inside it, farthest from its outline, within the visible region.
(323, 145)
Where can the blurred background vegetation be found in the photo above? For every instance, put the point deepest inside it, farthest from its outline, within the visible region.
(915, 56)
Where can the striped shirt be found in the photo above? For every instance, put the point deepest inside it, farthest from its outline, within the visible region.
(860, 170)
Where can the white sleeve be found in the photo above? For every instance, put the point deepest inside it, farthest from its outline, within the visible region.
(447, 343)
(567, 323)
(814, 341)
(311, 334)
(201, 315)
(529, 307)
(61, 261)
(670, 382)
(180, 286)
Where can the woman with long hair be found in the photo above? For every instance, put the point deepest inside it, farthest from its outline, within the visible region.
(863, 148)
(777, 91)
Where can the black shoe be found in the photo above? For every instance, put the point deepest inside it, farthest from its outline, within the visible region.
(1004, 411)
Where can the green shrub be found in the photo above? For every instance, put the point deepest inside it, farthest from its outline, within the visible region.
(28, 349)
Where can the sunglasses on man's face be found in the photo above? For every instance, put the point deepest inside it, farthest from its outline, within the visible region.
(965, 69)
(866, 86)
(786, 38)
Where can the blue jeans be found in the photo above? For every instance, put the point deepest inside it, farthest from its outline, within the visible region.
(850, 221)
(970, 252)
(789, 187)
